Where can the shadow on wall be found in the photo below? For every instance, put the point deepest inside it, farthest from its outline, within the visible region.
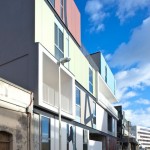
(88, 118)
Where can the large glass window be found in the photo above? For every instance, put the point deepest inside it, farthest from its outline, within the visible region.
(52, 2)
(85, 139)
(110, 123)
(78, 105)
(45, 133)
(94, 114)
(59, 40)
(90, 80)
(106, 74)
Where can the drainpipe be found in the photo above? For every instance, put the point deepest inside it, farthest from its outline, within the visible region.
(29, 113)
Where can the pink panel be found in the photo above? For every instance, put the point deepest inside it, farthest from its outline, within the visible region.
(73, 20)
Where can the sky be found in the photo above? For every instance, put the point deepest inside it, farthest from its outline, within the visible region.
(120, 29)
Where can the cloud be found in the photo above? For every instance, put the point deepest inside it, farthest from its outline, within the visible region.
(97, 28)
(98, 10)
(108, 57)
(148, 109)
(130, 94)
(130, 80)
(123, 104)
(132, 59)
(94, 8)
(143, 101)
(128, 8)
(137, 50)
(135, 115)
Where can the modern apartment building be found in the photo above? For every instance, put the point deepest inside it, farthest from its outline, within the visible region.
(125, 139)
(34, 37)
(143, 136)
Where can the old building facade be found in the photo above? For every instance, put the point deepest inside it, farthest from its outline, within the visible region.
(16, 107)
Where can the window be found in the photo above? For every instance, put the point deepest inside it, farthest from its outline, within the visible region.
(45, 133)
(59, 40)
(61, 9)
(90, 80)
(6, 140)
(109, 123)
(52, 2)
(85, 139)
(106, 74)
(71, 136)
(78, 105)
(94, 114)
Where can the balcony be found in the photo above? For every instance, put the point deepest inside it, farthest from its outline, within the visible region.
(105, 90)
(48, 85)
(105, 96)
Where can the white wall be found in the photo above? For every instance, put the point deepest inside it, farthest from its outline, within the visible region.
(79, 138)
(101, 119)
(95, 145)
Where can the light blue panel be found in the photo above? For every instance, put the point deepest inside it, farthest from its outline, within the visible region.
(110, 77)
(102, 67)
(110, 80)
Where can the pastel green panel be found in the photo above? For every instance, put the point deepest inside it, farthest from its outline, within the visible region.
(72, 49)
(79, 65)
(66, 48)
(44, 25)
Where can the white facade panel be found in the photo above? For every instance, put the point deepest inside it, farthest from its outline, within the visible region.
(142, 135)
(79, 138)
(95, 145)
(48, 85)
(101, 119)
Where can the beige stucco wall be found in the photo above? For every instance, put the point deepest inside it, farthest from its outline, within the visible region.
(16, 124)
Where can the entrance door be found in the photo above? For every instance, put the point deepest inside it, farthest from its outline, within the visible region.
(5, 141)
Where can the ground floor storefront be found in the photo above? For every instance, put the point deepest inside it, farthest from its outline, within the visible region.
(75, 136)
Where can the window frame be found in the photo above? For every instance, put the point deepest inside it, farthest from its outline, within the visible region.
(110, 130)
(49, 132)
(62, 9)
(106, 71)
(78, 118)
(57, 41)
(94, 114)
(85, 139)
(51, 3)
(90, 82)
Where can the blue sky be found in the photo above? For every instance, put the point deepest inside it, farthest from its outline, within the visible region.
(121, 30)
